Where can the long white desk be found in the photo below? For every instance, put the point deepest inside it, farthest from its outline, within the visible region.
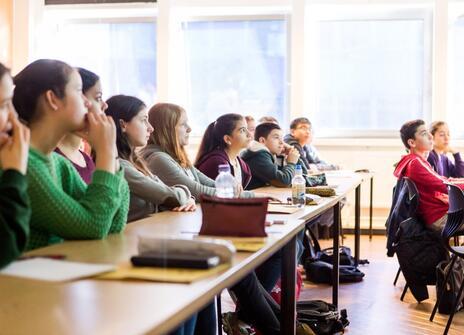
(94, 306)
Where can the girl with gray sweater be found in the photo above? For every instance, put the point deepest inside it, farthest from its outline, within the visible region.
(166, 155)
(147, 190)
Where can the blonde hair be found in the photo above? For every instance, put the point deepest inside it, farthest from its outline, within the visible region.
(435, 125)
(164, 118)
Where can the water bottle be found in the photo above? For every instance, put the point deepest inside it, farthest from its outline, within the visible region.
(298, 187)
(225, 182)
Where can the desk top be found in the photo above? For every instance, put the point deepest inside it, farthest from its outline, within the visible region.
(132, 307)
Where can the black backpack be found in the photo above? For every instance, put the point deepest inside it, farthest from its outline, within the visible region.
(318, 263)
(321, 317)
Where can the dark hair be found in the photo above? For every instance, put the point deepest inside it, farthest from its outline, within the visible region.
(435, 125)
(124, 107)
(264, 129)
(89, 79)
(213, 138)
(36, 79)
(299, 120)
(3, 70)
(408, 131)
(164, 118)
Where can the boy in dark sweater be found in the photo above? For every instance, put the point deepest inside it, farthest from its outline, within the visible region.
(260, 157)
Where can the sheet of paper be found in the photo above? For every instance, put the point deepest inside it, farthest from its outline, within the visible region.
(282, 208)
(54, 270)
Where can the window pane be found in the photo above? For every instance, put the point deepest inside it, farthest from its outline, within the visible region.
(236, 67)
(371, 74)
(122, 54)
(457, 99)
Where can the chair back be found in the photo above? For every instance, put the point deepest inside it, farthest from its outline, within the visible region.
(455, 221)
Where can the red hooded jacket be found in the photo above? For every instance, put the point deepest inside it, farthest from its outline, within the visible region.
(433, 193)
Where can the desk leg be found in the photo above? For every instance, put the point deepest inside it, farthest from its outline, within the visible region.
(357, 223)
(336, 254)
(370, 207)
(288, 303)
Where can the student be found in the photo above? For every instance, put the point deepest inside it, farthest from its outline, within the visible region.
(166, 152)
(301, 137)
(70, 146)
(251, 125)
(433, 193)
(222, 143)
(260, 157)
(48, 97)
(15, 209)
(147, 190)
(438, 156)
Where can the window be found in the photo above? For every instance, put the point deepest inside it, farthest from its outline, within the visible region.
(235, 66)
(373, 74)
(456, 98)
(123, 54)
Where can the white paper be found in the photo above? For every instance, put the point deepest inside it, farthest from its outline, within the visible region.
(54, 270)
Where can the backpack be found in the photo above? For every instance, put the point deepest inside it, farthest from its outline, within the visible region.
(318, 263)
(321, 272)
(276, 291)
(451, 290)
(321, 317)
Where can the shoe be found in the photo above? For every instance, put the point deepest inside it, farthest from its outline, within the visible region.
(233, 326)
(304, 329)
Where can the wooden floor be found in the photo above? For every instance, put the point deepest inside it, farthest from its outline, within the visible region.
(374, 305)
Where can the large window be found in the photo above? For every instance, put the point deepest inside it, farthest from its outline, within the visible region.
(373, 75)
(123, 54)
(456, 98)
(236, 66)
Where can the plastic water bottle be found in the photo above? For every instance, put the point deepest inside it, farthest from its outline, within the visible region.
(298, 187)
(225, 182)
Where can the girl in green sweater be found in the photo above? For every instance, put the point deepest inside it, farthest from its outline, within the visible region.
(48, 97)
(15, 211)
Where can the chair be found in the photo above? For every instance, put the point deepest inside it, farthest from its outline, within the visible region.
(453, 228)
(404, 205)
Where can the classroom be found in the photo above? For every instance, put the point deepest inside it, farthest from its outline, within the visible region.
(190, 166)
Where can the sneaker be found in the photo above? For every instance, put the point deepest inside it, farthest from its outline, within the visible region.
(304, 329)
(233, 326)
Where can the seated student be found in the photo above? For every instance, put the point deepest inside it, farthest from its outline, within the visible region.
(438, 156)
(15, 209)
(433, 193)
(48, 97)
(70, 145)
(251, 125)
(260, 157)
(301, 137)
(222, 143)
(147, 190)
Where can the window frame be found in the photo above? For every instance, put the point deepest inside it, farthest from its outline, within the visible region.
(351, 12)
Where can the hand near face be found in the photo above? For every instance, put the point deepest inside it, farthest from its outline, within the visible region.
(293, 156)
(14, 149)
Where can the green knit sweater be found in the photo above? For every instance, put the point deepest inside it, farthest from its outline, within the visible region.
(65, 208)
(15, 213)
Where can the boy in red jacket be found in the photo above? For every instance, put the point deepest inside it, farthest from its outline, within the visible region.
(433, 193)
